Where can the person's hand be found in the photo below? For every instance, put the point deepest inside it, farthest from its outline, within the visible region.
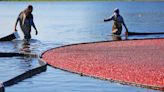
(15, 29)
(36, 32)
(126, 33)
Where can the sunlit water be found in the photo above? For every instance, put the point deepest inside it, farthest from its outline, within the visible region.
(61, 23)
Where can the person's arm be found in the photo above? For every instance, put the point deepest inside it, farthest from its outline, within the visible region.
(109, 19)
(125, 27)
(33, 25)
(35, 29)
(15, 27)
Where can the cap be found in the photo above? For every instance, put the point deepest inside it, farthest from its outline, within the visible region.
(116, 10)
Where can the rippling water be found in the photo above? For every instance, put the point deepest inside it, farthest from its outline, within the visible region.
(61, 23)
(11, 67)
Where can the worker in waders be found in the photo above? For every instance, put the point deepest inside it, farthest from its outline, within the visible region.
(118, 22)
(25, 19)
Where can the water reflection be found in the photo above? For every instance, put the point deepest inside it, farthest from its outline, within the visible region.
(11, 67)
(25, 46)
(25, 63)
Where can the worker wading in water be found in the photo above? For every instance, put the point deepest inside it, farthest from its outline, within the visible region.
(118, 22)
(25, 19)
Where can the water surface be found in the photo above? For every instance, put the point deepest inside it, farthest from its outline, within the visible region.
(61, 23)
